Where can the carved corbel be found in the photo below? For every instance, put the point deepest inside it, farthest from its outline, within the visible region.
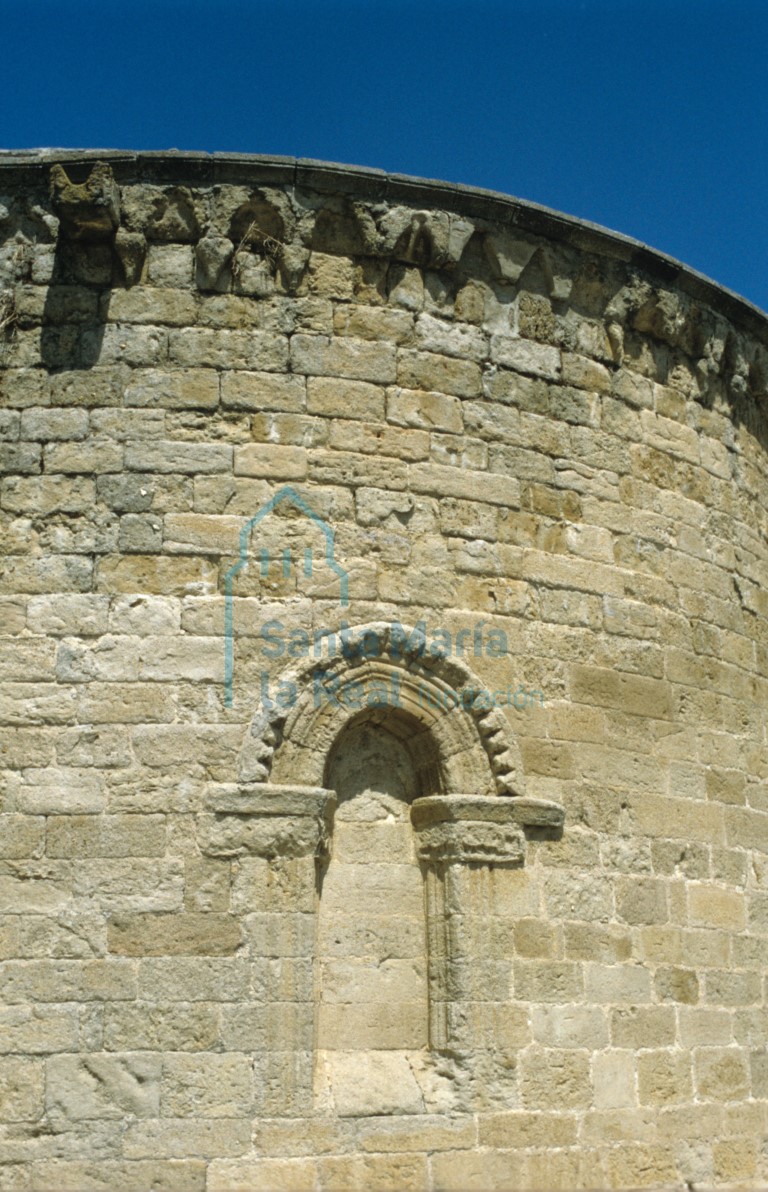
(507, 255)
(89, 210)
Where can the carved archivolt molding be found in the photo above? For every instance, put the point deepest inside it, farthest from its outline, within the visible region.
(458, 744)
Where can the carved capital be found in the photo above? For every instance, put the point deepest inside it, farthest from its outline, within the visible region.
(480, 843)
(264, 820)
(478, 828)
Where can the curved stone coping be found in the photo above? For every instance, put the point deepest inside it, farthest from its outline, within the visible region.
(208, 169)
(529, 813)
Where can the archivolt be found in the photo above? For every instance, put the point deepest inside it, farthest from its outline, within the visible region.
(461, 746)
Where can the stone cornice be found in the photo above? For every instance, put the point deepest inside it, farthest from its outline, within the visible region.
(204, 169)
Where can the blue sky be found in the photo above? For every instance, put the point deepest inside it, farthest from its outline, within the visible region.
(647, 116)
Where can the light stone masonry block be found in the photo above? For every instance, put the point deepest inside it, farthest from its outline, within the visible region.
(260, 391)
(334, 398)
(45, 424)
(22, 1084)
(150, 304)
(445, 374)
(103, 1086)
(361, 360)
(183, 389)
(178, 1138)
(273, 463)
(47, 494)
(184, 458)
(92, 456)
(157, 1026)
(215, 1086)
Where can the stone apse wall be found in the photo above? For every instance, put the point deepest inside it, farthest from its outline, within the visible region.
(384, 644)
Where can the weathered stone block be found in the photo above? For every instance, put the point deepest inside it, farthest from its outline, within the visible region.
(215, 1086)
(360, 360)
(103, 1086)
(180, 934)
(22, 1084)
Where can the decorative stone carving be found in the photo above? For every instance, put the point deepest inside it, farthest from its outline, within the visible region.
(88, 210)
(213, 254)
(131, 248)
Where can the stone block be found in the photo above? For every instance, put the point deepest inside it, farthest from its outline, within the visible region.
(710, 905)
(255, 351)
(44, 424)
(614, 1080)
(20, 458)
(101, 1085)
(429, 371)
(180, 1138)
(702, 1026)
(633, 694)
(664, 1077)
(156, 574)
(642, 900)
(427, 1132)
(379, 1025)
(640, 1166)
(61, 790)
(279, 1175)
(178, 457)
(271, 462)
(207, 1086)
(570, 1026)
(537, 360)
(156, 1026)
(643, 1026)
(260, 391)
(183, 389)
(371, 1083)
(64, 573)
(22, 1088)
(363, 322)
(69, 935)
(461, 1171)
(342, 398)
(728, 988)
(193, 979)
(78, 836)
(627, 983)
(138, 884)
(547, 981)
(355, 359)
(71, 1175)
(555, 1080)
(47, 494)
(721, 1073)
(176, 934)
(21, 836)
